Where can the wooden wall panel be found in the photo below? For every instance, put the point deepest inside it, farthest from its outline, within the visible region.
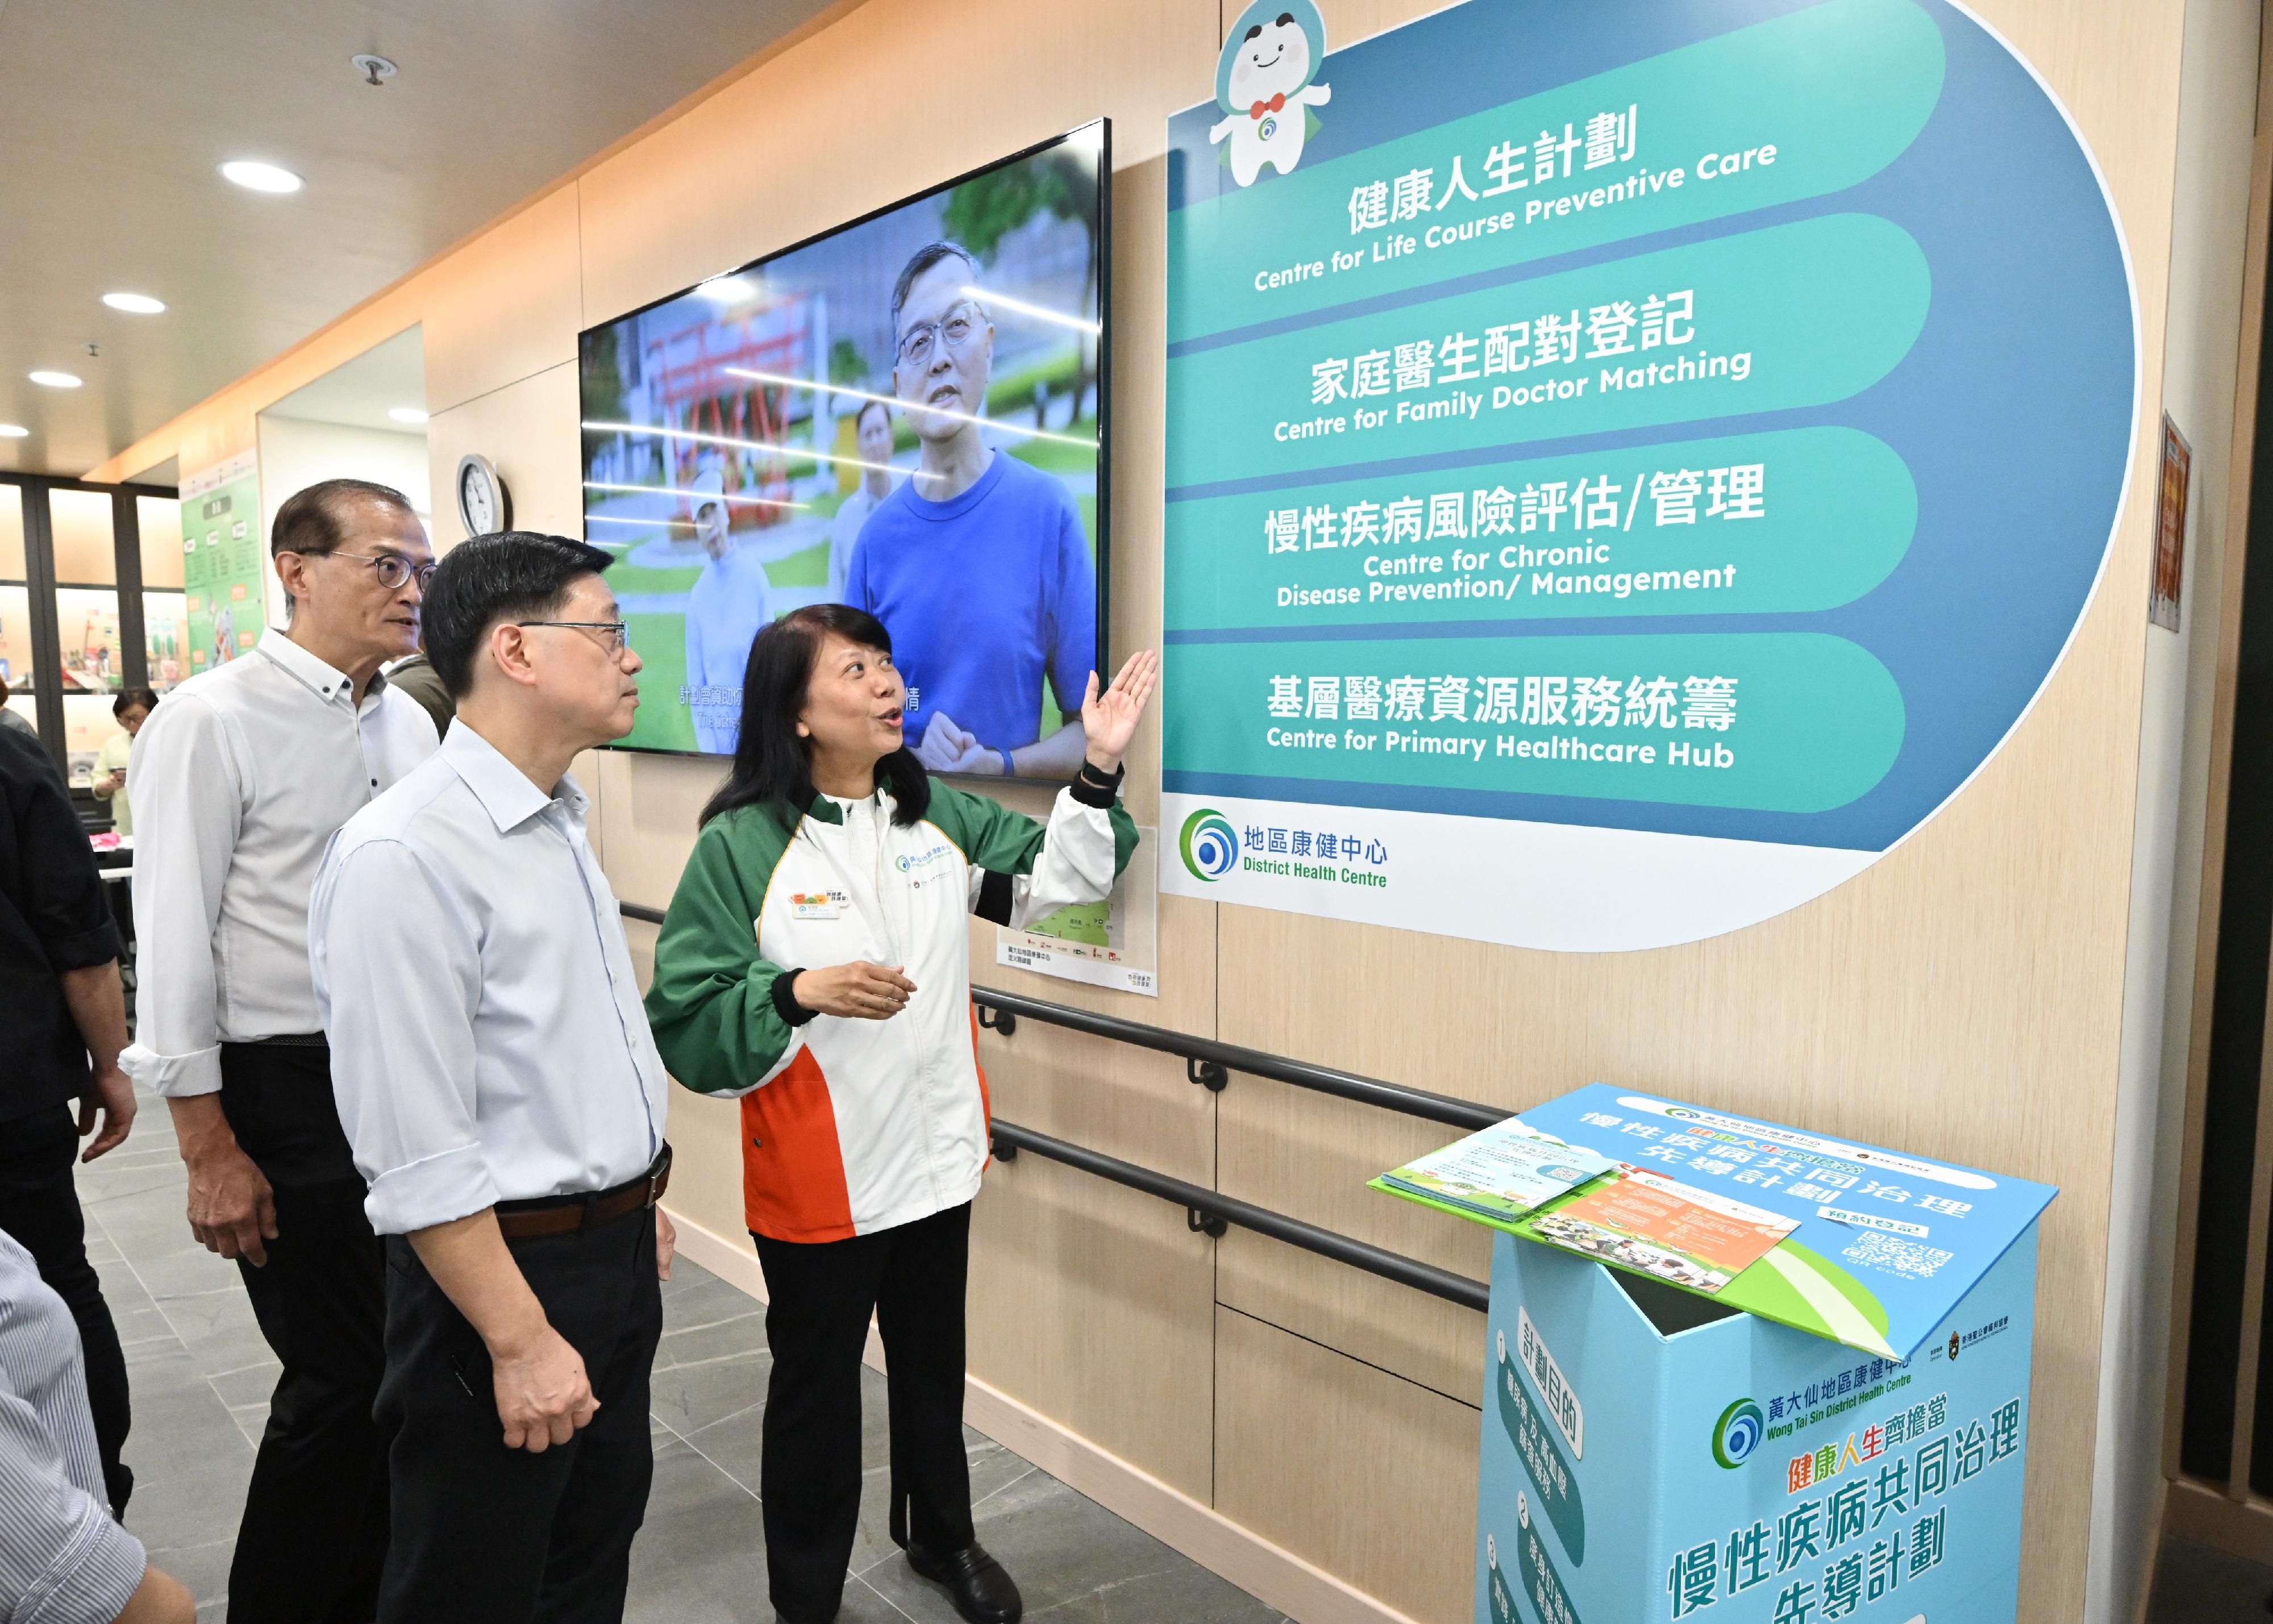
(1094, 1304)
(1127, 1103)
(1365, 1474)
(647, 810)
(511, 306)
(1426, 1340)
(529, 429)
(1309, 1156)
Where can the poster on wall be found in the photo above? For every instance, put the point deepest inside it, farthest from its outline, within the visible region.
(1112, 944)
(224, 562)
(1627, 466)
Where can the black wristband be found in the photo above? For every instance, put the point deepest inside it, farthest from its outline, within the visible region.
(785, 997)
(995, 896)
(1089, 792)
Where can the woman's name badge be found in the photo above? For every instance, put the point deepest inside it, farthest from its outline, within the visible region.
(811, 905)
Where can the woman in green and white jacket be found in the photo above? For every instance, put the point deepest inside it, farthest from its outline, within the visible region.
(816, 964)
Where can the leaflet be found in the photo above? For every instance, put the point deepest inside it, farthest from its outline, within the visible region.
(1648, 1223)
(1498, 1174)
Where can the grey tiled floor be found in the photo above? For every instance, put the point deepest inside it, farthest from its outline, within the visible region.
(2195, 1585)
(201, 1376)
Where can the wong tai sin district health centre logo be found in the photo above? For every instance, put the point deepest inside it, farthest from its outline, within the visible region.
(1737, 1433)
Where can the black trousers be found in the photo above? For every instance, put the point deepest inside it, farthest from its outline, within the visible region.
(819, 1298)
(38, 1206)
(314, 1530)
(489, 1535)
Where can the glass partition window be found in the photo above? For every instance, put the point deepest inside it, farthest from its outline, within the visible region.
(159, 520)
(11, 533)
(165, 637)
(87, 723)
(80, 652)
(16, 668)
(21, 705)
(86, 555)
(86, 628)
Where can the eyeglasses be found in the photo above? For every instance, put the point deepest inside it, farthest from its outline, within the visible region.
(617, 638)
(392, 568)
(954, 329)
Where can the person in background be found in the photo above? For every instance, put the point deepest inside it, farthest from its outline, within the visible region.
(725, 608)
(417, 677)
(62, 1559)
(132, 708)
(64, 1015)
(978, 563)
(502, 1095)
(239, 779)
(845, 1030)
(874, 434)
(14, 719)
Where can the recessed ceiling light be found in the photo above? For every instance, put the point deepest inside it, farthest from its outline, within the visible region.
(257, 177)
(12, 431)
(55, 380)
(406, 414)
(134, 303)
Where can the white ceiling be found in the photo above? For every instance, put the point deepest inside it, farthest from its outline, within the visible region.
(360, 392)
(114, 113)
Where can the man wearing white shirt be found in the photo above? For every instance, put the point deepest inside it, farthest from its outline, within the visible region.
(497, 1079)
(239, 782)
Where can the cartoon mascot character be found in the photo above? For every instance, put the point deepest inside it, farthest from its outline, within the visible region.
(1263, 82)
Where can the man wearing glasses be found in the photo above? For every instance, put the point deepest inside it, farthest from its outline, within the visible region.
(976, 565)
(502, 1094)
(240, 779)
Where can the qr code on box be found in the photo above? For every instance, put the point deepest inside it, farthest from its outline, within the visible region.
(1899, 1257)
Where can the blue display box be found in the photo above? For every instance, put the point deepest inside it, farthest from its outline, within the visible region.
(1653, 1453)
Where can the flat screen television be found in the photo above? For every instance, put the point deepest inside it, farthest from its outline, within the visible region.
(907, 414)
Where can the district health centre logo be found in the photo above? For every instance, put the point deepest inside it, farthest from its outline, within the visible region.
(1209, 845)
(1737, 1433)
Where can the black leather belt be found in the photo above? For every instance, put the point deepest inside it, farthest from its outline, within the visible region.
(565, 1215)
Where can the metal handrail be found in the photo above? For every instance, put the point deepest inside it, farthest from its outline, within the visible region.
(1212, 1211)
(1206, 1051)
(1202, 1205)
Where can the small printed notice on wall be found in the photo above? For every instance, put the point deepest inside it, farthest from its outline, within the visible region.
(1111, 944)
(2170, 529)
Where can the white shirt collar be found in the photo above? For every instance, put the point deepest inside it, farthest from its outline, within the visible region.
(504, 790)
(327, 683)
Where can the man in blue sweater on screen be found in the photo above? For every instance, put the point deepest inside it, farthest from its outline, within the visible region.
(976, 565)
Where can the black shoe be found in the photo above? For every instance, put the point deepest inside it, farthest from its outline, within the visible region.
(975, 1582)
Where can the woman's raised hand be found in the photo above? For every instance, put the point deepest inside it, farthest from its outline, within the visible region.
(1108, 720)
(856, 991)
